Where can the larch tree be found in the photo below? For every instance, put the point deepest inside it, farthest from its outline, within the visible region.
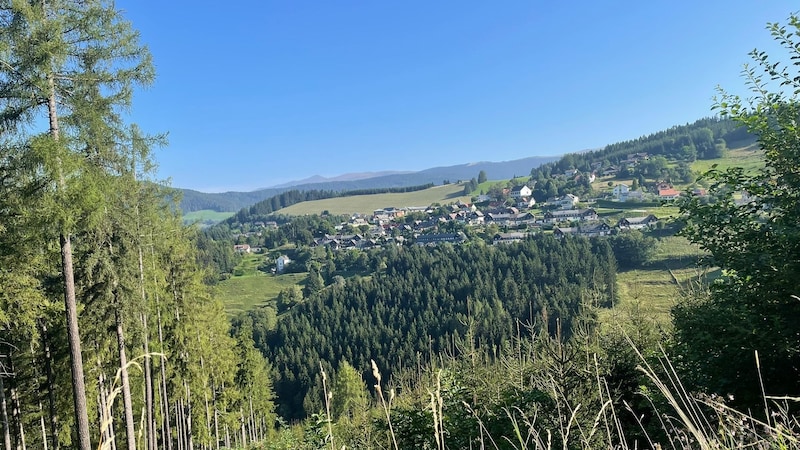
(74, 64)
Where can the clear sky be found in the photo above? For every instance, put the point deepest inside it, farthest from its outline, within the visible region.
(256, 93)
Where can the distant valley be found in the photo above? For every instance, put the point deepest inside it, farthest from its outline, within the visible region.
(234, 201)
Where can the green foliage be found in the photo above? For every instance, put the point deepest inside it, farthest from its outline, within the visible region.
(77, 197)
(470, 186)
(349, 392)
(752, 232)
(421, 302)
(632, 248)
(289, 297)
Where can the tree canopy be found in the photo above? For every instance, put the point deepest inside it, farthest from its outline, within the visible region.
(747, 328)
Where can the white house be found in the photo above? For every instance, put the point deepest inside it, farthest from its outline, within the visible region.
(620, 190)
(520, 192)
(281, 263)
(529, 202)
(566, 202)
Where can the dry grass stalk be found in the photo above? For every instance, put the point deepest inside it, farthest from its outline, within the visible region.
(106, 418)
(386, 407)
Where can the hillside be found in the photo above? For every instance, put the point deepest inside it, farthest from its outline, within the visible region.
(332, 248)
(366, 204)
(234, 201)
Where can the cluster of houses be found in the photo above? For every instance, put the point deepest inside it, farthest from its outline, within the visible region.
(664, 192)
(631, 160)
(391, 225)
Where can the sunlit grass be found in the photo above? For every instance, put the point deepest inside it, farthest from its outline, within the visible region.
(366, 204)
(656, 287)
(253, 287)
(206, 217)
(750, 158)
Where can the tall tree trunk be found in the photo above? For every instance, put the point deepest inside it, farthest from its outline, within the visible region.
(216, 422)
(73, 336)
(178, 421)
(16, 413)
(4, 416)
(71, 303)
(148, 388)
(165, 400)
(51, 394)
(166, 426)
(44, 427)
(130, 433)
(190, 440)
(251, 420)
(244, 430)
(101, 408)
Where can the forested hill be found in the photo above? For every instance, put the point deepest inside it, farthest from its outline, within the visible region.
(235, 201)
(420, 302)
(706, 138)
(665, 156)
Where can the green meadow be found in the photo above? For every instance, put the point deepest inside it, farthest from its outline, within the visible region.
(366, 204)
(250, 288)
(205, 217)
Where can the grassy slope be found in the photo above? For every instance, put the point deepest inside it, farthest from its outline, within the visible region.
(253, 288)
(206, 216)
(366, 204)
(655, 288)
(750, 158)
(670, 274)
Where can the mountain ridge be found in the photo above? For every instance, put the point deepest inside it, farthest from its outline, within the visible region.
(233, 201)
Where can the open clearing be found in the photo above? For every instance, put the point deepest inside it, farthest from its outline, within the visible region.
(253, 288)
(669, 275)
(366, 204)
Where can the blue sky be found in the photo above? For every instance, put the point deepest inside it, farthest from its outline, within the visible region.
(257, 93)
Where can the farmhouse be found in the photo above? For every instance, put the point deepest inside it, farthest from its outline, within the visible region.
(668, 194)
(281, 263)
(520, 192)
(586, 214)
(637, 223)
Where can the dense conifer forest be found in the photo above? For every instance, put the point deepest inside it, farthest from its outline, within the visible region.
(421, 302)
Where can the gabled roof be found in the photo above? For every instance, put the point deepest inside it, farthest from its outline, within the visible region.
(638, 220)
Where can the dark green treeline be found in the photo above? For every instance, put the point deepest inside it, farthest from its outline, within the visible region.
(421, 301)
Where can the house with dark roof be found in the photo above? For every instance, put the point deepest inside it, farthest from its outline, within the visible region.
(440, 238)
(599, 229)
(505, 238)
(586, 214)
(637, 223)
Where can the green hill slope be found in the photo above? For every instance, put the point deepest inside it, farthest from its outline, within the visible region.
(366, 204)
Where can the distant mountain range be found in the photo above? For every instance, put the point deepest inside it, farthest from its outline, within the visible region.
(316, 179)
(235, 201)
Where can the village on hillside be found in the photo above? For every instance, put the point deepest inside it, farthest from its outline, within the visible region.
(512, 214)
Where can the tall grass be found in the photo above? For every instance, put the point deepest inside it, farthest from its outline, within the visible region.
(684, 420)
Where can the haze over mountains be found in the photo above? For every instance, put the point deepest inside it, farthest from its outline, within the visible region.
(234, 201)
